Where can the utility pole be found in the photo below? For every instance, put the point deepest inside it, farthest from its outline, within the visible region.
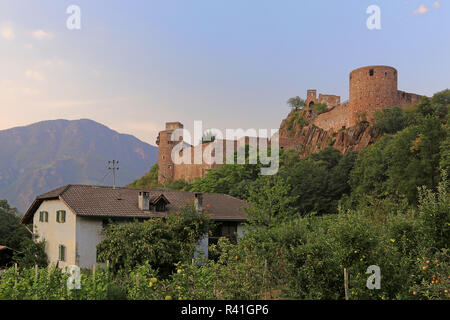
(113, 166)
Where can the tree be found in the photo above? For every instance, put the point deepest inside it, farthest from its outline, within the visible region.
(12, 233)
(162, 242)
(397, 165)
(296, 103)
(148, 181)
(390, 120)
(32, 253)
(319, 181)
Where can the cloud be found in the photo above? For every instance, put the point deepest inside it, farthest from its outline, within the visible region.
(41, 34)
(29, 46)
(8, 33)
(436, 4)
(421, 10)
(30, 91)
(34, 75)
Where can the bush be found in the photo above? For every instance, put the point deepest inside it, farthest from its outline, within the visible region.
(161, 241)
(390, 120)
(320, 108)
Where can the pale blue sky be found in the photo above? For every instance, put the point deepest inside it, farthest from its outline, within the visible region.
(233, 64)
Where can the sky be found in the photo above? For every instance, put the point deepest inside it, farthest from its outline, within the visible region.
(137, 64)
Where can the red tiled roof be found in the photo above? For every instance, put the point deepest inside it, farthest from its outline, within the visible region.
(85, 200)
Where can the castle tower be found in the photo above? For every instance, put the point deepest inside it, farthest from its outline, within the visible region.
(372, 88)
(165, 146)
(311, 97)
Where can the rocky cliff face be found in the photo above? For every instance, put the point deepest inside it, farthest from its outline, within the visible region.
(298, 132)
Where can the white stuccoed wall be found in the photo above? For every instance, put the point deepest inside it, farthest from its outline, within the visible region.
(88, 237)
(56, 233)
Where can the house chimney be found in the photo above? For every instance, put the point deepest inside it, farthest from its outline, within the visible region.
(144, 201)
(198, 202)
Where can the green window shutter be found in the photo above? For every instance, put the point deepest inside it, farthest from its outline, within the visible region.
(63, 213)
(57, 216)
(46, 216)
(62, 253)
(41, 216)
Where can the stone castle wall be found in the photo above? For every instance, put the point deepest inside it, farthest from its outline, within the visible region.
(371, 88)
(334, 119)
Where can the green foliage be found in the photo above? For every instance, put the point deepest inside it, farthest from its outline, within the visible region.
(51, 284)
(319, 181)
(390, 120)
(437, 106)
(397, 165)
(178, 185)
(232, 179)
(296, 103)
(435, 213)
(271, 202)
(445, 150)
(12, 233)
(32, 253)
(298, 258)
(296, 120)
(160, 241)
(148, 181)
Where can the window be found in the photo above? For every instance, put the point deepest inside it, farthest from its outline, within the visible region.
(43, 216)
(160, 206)
(107, 222)
(62, 253)
(61, 216)
(224, 229)
(371, 72)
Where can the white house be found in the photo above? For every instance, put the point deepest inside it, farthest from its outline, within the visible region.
(71, 218)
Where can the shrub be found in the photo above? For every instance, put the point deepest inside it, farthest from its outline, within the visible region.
(161, 241)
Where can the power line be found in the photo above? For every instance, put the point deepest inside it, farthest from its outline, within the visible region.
(104, 177)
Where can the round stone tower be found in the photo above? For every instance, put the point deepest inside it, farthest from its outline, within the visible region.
(372, 88)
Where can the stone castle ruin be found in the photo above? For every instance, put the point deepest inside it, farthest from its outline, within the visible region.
(372, 88)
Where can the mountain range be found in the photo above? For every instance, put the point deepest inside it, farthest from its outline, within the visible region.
(39, 157)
